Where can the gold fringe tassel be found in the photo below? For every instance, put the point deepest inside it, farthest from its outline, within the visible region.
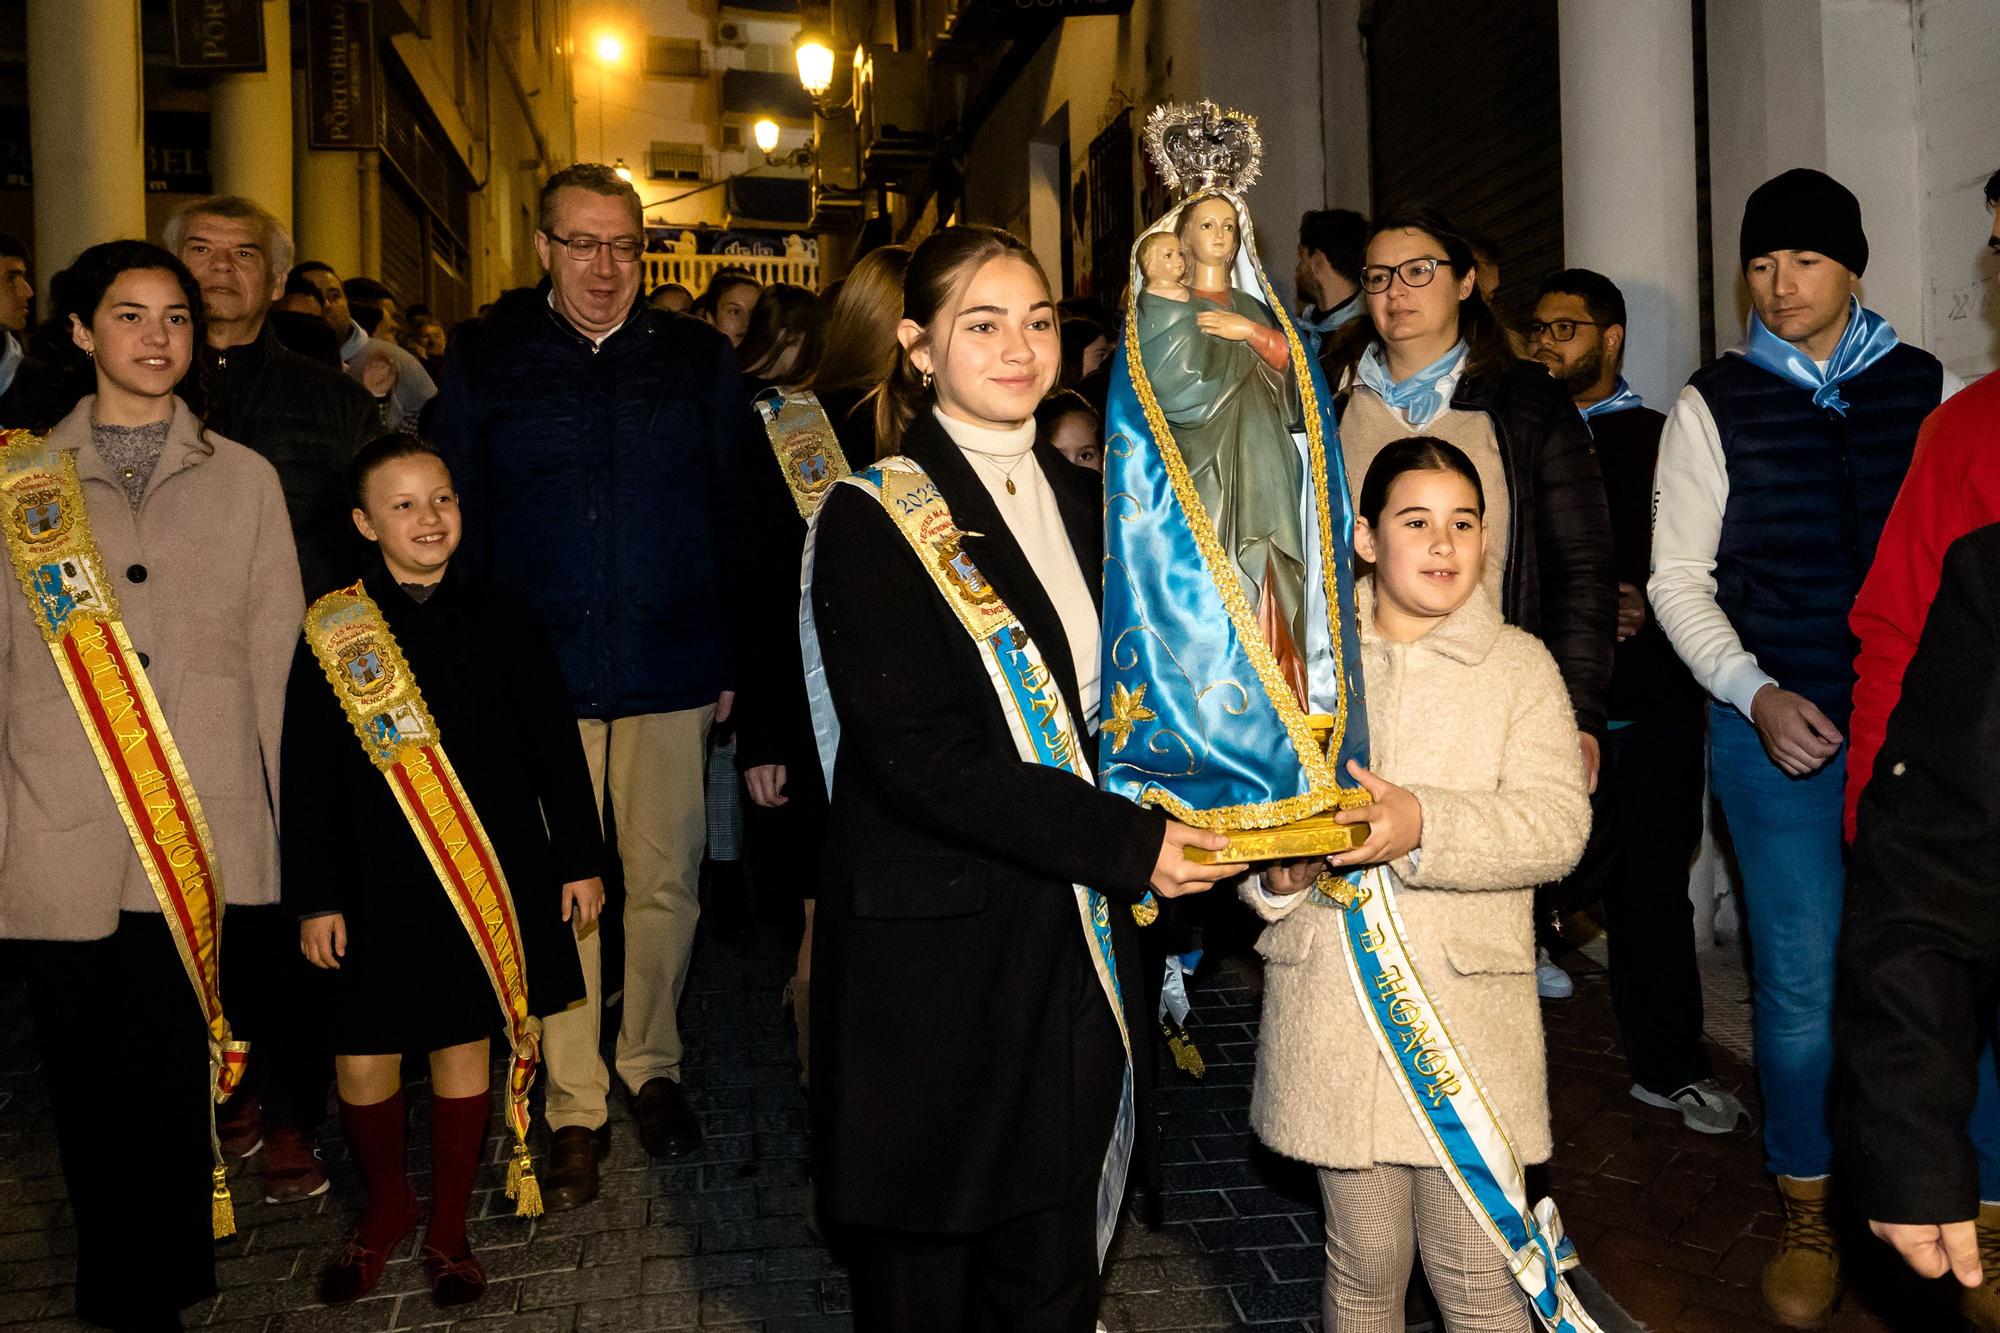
(222, 1209)
(522, 1187)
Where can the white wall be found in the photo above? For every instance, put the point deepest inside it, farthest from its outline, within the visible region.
(1900, 101)
(1343, 93)
(1958, 98)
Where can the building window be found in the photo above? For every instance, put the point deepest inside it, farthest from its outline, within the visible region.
(732, 137)
(675, 162)
(675, 58)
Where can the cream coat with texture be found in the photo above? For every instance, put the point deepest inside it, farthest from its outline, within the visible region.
(1473, 718)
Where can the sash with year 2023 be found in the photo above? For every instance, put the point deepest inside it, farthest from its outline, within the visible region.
(1444, 1095)
(379, 694)
(74, 606)
(1036, 716)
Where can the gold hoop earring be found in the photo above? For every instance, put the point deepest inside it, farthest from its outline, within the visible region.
(927, 379)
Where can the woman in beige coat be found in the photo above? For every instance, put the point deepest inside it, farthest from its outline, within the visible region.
(1479, 795)
(194, 539)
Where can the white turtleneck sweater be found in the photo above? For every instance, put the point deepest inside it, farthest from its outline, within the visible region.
(1000, 456)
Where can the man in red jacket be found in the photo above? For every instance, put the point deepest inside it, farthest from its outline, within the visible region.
(1952, 487)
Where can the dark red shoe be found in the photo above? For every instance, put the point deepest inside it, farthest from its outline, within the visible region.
(239, 1127)
(355, 1273)
(459, 1281)
(292, 1166)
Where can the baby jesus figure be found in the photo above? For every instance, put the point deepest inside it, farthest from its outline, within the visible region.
(1163, 266)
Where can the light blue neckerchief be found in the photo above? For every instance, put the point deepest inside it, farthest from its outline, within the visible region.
(1325, 322)
(1868, 339)
(1419, 398)
(10, 362)
(1623, 399)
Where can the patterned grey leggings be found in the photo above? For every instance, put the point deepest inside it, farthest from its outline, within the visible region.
(1376, 1221)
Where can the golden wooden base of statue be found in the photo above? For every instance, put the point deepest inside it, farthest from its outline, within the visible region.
(1315, 835)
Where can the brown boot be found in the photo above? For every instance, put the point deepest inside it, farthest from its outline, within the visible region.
(1803, 1278)
(1981, 1304)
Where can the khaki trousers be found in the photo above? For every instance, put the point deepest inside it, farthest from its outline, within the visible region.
(1377, 1221)
(653, 765)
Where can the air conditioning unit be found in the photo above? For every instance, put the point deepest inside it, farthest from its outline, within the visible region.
(892, 112)
(731, 34)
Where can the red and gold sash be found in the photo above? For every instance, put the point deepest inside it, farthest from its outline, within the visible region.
(380, 697)
(76, 610)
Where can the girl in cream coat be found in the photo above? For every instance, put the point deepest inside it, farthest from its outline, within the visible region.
(1479, 795)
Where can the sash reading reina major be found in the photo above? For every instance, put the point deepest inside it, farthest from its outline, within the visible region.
(76, 610)
(379, 694)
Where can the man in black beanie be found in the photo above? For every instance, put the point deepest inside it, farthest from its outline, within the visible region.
(1778, 465)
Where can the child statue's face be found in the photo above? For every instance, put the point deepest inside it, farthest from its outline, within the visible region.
(1163, 261)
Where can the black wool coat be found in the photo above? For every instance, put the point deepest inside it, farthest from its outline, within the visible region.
(411, 980)
(966, 1066)
(1920, 946)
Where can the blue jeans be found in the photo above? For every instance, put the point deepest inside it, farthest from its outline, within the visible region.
(1787, 833)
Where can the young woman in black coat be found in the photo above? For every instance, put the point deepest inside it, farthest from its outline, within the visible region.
(400, 971)
(967, 1065)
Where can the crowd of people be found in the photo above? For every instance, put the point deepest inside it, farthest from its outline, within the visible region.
(596, 536)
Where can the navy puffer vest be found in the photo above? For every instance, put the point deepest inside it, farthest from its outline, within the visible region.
(1809, 490)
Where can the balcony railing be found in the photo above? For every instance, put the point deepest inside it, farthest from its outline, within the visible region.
(694, 271)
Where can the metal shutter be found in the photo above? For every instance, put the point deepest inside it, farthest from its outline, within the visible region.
(403, 260)
(1465, 114)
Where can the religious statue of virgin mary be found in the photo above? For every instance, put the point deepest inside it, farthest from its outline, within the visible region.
(1231, 664)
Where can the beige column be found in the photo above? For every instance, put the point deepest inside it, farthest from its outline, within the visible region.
(85, 131)
(250, 126)
(326, 197)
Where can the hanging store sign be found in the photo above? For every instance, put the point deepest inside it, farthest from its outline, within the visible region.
(219, 36)
(341, 75)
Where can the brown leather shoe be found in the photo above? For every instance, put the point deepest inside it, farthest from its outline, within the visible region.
(667, 1126)
(1802, 1281)
(1981, 1304)
(571, 1178)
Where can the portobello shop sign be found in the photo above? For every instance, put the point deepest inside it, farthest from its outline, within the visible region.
(341, 76)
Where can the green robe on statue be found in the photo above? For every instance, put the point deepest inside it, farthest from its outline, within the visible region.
(1231, 416)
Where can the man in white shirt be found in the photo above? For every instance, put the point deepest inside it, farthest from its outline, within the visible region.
(1778, 465)
(389, 372)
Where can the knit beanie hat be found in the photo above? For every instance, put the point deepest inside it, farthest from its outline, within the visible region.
(1804, 210)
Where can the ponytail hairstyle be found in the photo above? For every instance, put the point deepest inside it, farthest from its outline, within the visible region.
(1414, 453)
(1485, 338)
(934, 284)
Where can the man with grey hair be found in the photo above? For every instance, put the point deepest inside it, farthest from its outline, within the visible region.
(308, 420)
(594, 443)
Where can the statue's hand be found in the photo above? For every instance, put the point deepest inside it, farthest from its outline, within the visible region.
(1226, 324)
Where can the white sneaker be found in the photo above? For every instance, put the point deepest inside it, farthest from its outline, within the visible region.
(1705, 1108)
(1551, 982)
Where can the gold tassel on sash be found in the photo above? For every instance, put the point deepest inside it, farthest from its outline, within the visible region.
(73, 604)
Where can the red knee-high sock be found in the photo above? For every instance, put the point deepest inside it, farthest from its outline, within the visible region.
(458, 1138)
(375, 1137)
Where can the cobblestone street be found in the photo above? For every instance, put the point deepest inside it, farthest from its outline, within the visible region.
(1673, 1224)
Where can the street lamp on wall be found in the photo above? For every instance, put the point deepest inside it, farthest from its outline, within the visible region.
(622, 172)
(765, 132)
(815, 61)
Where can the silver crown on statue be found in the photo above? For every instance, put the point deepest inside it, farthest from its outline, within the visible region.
(1204, 147)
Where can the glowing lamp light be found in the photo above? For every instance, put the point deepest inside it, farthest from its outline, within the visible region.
(621, 171)
(765, 132)
(609, 49)
(815, 59)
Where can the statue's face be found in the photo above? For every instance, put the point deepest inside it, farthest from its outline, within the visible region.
(1208, 233)
(1162, 260)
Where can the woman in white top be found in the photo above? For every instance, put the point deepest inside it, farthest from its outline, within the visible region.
(968, 1067)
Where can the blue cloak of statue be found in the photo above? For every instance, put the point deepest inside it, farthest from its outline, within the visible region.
(1198, 715)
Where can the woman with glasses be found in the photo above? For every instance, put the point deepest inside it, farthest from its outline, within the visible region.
(1431, 358)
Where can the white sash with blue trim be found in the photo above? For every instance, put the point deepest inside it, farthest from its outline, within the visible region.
(1444, 1094)
(1036, 716)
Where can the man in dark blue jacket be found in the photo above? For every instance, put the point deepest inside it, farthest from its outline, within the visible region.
(593, 443)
